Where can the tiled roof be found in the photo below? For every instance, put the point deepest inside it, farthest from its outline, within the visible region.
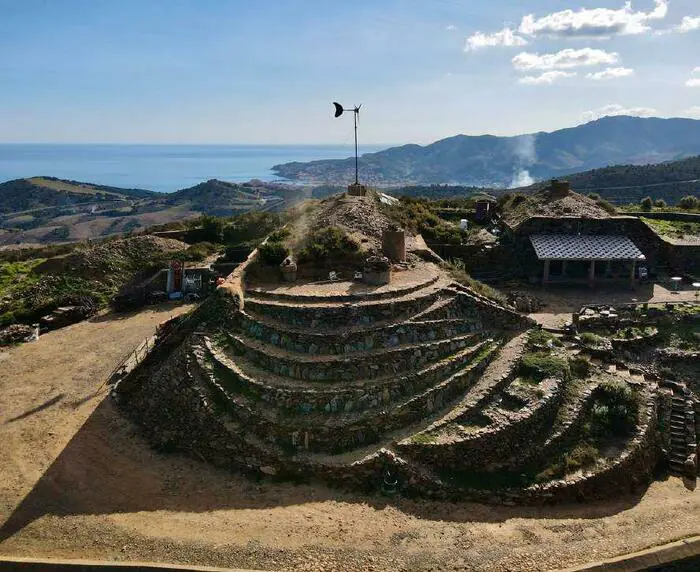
(584, 247)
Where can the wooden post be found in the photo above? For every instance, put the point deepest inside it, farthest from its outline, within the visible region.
(545, 276)
(563, 268)
(632, 280)
(591, 273)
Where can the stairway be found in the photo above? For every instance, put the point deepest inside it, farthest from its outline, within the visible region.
(679, 441)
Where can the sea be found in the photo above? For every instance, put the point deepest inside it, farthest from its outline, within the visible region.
(163, 168)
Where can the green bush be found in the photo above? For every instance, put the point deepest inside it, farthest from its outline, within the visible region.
(328, 243)
(542, 338)
(458, 273)
(606, 206)
(689, 202)
(660, 203)
(540, 365)
(200, 251)
(591, 339)
(646, 203)
(594, 196)
(273, 253)
(580, 367)
(616, 409)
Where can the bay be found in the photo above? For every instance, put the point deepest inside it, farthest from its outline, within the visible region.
(163, 168)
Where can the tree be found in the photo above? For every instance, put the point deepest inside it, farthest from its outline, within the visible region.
(646, 203)
(689, 202)
(660, 203)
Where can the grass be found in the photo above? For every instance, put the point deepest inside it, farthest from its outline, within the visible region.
(580, 367)
(542, 339)
(541, 365)
(458, 273)
(674, 229)
(592, 340)
(632, 332)
(423, 439)
(14, 273)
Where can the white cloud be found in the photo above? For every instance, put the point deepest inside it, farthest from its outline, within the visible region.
(688, 24)
(505, 37)
(547, 78)
(694, 81)
(610, 73)
(593, 23)
(451, 28)
(693, 111)
(616, 109)
(565, 59)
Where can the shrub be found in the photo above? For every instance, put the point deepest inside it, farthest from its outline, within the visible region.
(616, 409)
(200, 250)
(660, 203)
(273, 253)
(606, 206)
(646, 203)
(457, 271)
(328, 243)
(540, 365)
(594, 196)
(591, 339)
(580, 367)
(542, 338)
(689, 202)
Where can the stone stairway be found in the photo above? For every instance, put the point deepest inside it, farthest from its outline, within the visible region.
(682, 431)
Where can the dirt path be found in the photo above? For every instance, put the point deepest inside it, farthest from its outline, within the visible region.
(78, 482)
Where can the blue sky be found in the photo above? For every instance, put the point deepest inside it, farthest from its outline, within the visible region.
(265, 71)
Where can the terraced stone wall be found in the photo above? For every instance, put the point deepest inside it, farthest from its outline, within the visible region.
(337, 398)
(345, 342)
(495, 443)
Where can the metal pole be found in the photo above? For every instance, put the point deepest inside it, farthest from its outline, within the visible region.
(356, 178)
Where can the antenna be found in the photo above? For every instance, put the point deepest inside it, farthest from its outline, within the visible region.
(339, 109)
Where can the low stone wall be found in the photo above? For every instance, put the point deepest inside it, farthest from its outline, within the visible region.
(381, 363)
(494, 443)
(346, 342)
(342, 316)
(318, 432)
(337, 398)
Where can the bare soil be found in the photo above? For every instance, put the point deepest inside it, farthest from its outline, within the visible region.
(79, 482)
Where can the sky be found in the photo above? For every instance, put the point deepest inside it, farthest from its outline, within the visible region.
(266, 71)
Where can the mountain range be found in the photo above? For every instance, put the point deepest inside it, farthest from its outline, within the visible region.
(491, 161)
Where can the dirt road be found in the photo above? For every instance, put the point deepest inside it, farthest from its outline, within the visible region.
(78, 482)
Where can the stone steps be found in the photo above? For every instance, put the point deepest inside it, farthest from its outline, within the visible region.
(336, 368)
(340, 431)
(296, 397)
(358, 297)
(351, 340)
(341, 315)
(443, 308)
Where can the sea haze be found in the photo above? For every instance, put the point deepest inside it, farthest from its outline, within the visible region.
(163, 168)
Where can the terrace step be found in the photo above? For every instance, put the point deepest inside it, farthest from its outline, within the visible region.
(334, 368)
(380, 293)
(306, 397)
(351, 340)
(343, 314)
(344, 430)
(444, 307)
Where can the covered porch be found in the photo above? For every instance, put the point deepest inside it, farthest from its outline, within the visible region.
(587, 259)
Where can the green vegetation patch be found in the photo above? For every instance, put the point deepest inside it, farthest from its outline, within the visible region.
(328, 244)
(592, 340)
(542, 339)
(458, 273)
(541, 365)
(674, 228)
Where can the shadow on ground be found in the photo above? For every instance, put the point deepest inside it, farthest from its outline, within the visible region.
(108, 468)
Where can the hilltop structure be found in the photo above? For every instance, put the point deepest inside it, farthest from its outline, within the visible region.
(418, 385)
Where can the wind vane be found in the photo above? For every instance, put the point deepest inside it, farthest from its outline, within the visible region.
(356, 112)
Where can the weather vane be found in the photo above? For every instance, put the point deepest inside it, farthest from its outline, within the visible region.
(356, 112)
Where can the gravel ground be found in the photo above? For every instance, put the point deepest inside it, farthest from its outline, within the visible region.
(78, 481)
